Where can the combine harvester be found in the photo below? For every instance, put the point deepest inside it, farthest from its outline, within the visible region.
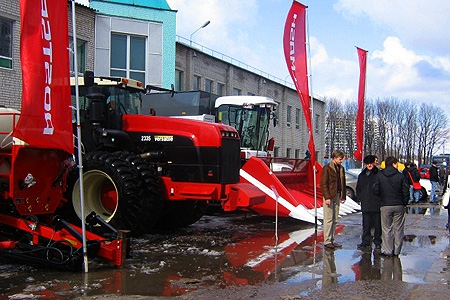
(286, 181)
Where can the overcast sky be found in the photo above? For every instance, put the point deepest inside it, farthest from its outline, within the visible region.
(408, 42)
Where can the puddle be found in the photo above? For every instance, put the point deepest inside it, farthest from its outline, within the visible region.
(225, 252)
(425, 210)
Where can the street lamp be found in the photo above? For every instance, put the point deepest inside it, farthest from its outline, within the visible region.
(203, 26)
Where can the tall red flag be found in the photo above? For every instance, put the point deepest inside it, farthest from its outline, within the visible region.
(361, 94)
(294, 43)
(46, 114)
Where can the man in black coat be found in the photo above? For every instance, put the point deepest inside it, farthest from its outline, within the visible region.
(393, 190)
(370, 205)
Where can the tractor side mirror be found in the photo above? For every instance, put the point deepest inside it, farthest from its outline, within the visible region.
(88, 78)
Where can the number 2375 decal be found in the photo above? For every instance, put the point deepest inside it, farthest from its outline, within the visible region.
(157, 138)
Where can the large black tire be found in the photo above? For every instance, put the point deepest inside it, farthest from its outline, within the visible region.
(181, 213)
(148, 183)
(110, 191)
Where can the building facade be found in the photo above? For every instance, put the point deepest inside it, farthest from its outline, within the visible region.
(136, 39)
(133, 38)
(198, 70)
(10, 68)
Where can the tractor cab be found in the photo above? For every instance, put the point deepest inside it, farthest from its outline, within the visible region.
(115, 97)
(250, 116)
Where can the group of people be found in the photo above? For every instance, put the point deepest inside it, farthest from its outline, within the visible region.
(383, 194)
(413, 179)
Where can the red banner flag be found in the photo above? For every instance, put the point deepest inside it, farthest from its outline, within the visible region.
(46, 114)
(361, 94)
(294, 43)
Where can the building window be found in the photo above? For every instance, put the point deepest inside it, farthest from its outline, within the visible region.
(208, 85)
(276, 150)
(196, 83)
(288, 152)
(6, 29)
(220, 89)
(288, 115)
(297, 118)
(81, 57)
(178, 80)
(128, 56)
(297, 153)
(236, 92)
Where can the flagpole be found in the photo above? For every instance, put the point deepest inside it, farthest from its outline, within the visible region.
(364, 115)
(80, 154)
(360, 117)
(312, 117)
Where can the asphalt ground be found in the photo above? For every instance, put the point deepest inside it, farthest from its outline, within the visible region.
(422, 271)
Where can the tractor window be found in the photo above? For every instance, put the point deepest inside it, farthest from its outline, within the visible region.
(252, 124)
(120, 100)
(124, 101)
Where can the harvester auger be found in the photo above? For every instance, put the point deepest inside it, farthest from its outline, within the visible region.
(287, 183)
(32, 182)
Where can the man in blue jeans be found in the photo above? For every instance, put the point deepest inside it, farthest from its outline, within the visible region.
(434, 180)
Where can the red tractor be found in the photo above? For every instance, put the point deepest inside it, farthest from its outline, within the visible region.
(159, 162)
(143, 172)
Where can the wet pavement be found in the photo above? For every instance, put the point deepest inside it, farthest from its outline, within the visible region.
(246, 256)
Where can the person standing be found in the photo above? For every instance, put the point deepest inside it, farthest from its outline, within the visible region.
(393, 190)
(332, 185)
(441, 175)
(370, 204)
(434, 180)
(412, 174)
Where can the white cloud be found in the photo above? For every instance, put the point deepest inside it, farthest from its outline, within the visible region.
(419, 24)
(224, 16)
(412, 63)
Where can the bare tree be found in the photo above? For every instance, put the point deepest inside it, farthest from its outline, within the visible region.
(392, 127)
(349, 119)
(334, 110)
(382, 111)
(370, 145)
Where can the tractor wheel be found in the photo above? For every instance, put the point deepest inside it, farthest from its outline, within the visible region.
(181, 213)
(149, 189)
(110, 191)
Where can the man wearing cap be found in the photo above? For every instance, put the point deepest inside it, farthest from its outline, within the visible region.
(434, 180)
(370, 205)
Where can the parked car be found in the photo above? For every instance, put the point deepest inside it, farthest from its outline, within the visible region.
(351, 178)
(424, 171)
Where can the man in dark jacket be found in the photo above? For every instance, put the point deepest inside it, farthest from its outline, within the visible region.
(393, 190)
(332, 186)
(434, 180)
(370, 204)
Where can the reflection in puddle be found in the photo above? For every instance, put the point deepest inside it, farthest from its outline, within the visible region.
(424, 210)
(223, 254)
